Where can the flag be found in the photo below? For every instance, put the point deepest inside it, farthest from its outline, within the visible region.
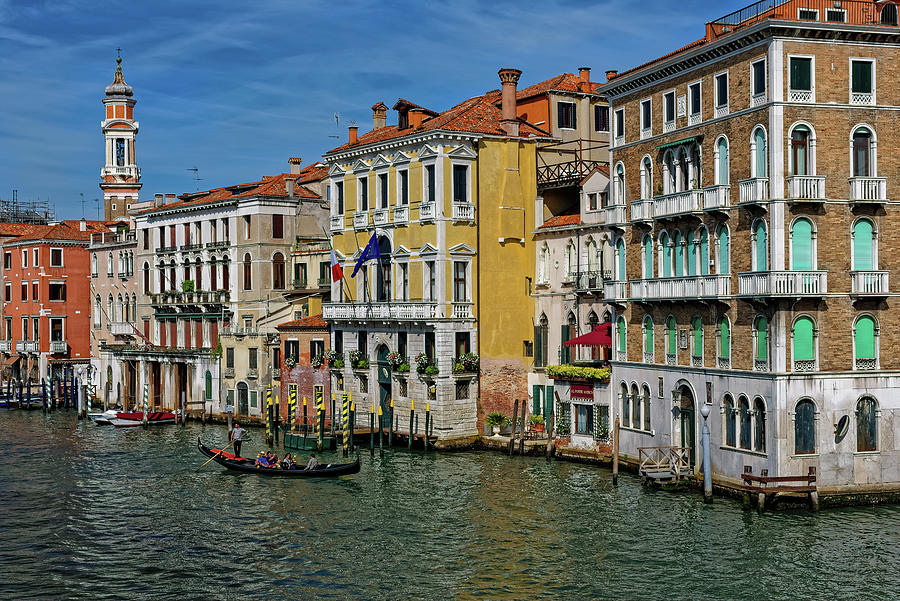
(370, 252)
(336, 272)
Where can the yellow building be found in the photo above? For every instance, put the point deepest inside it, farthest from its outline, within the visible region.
(450, 198)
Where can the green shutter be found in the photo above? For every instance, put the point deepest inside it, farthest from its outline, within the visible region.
(801, 245)
(670, 336)
(724, 338)
(679, 255)
(549, 399)
(620, 249)
(862, 77)
(648, 257)
(536, 399)
(862, 245)
(762, 338)
(722, 166)
(704, 252)
(803, 339)
(761, 164)
(723, 250)
(666, 268)
(648, 335)
(692, 255)
(538, 347)
(864, 338)
(762, 248)
(698, 336)
(564, 336)
(801, 73)
(621, 324)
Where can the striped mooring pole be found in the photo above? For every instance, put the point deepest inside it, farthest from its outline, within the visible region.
(345, 423)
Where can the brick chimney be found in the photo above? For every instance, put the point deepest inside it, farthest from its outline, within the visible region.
(295, 164)
(289, 187)
(159, 200)
(82, 225)
(416, 117)
(584, 79)
(379, 115)
(353, 130)
(611, 74)
(508, 80)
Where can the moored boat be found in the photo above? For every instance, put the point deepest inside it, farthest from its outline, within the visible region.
(247, 466)
(136, 418)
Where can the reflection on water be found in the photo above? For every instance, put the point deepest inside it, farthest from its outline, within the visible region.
(91, 512)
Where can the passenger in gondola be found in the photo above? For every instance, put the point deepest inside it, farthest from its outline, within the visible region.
(273, 460)
(288, 462)
(313, 463)
(261, 460)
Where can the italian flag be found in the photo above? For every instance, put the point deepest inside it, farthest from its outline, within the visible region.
(337, 273)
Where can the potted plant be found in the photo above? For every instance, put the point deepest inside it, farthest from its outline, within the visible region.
(398, 362)
(316, 361)
(536, 422)
(494, 420)
(431, 370)
(358, 360)
(334, 359)
(423, 362)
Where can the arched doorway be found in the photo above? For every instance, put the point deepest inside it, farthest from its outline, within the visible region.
(384, 378)
(687, 422)
(243, 398)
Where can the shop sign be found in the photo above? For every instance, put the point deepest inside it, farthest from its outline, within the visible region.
(581, 391)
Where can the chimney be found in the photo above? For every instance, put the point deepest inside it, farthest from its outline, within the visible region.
(353, 129)
(82, 225)
(508, 80)
(416, 117)
(289, 187)
(584, 79)
(295, 164)
(379, 115)
(611, 74)
(158, 200)
(170, 198)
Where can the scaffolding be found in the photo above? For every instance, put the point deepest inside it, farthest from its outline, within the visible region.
(39, 212)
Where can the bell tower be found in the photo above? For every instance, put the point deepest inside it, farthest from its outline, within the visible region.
(120, 178)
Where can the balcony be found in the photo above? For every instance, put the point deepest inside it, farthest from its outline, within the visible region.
(642, 210)
(868, 189)
(716, 198)
(252, 373)
(869, 283)
(615, 291)
(399, 311)
(121, 328)
(219, 244)
(166, 249)
(787, 284)
(5, 346)
(862, 98)
(124, 171)
(754, 190)
(800, 96)
(806, 188)
(337, 223)
(276, 373)
(463, 211)
(26, 346)
(865, 364)
(462, 310)
(615, 215)
(679, 203)
(757, 100)
(427, 211)
(591, 281)
(401, 215)
(189, 247)
(681, 288)
(58, 347)
(565, 173)
(299, 283)
(112, 238)
(323, 282)
(804, 365)
(381, 216)
(228, 372)
(361, 220)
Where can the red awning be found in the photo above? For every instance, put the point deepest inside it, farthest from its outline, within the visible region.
(599, 336)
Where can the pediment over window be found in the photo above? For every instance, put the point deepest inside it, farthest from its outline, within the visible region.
(462, 152)
(462, 249)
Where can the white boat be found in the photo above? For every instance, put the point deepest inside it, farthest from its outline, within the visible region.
(103, 418)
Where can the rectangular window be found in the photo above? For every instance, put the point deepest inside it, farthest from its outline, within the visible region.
(292, 350)
(248, 232)
(460, 290)
(57, 291)
(24, 328)
(363, 194)
(584, 419)
(339, 342)
(801, 79)
(646, 115)
(807, 14)
(430, 280)
(24, 291)
(382, 191)
(460, 183)
(57, 331)
(251, 358)
(34, 291)
(24, 258)
(620, 124)
(7, 328)
(758, 79)
(403, 187)
(592, 202)
(835, 15)
(146, 239)
(278, 226)
(565, 112)
(721, 91)
(361, 340)
(429, 183)
(669, 110)
(402, 349)
(187, 233)
(429, 345)
(339, 192)
(404, 281)
(694, 99)
(862, 82)
(601, 117)
(316, 348)
(34, 257)
(229, 358)
(8, 295)
(7, 260)
(254, 397)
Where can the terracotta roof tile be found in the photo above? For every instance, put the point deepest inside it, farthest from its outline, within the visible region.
(693, 44)
(565, 82)
(311, 322)
(61, 231)
(562, 220)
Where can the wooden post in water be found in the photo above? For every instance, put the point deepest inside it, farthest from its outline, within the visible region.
(352, 423)
(183, 408)
(44, 405)
(332, 413)
(305, 421)
(551, 438)
(268, 415)
(380, 431)
(427, 421)
(412, 416)
(372, 429)
(320, 443)
(515, 425)
(391, 425)
(615, 469)
(522, 432)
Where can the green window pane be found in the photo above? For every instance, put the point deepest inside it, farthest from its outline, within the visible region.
(692, 255)
(666, 267)
(679, 255)
(801, 73)
(670, 335)
(801, 245)
(648, 335)
(723, 250)
(697, 326)
(620, 249)
(704, 252)
(722, 167)
(862, 246)
(862, 77)
(803, 339)
(724, 339)
(761, 247)
(760, 162)
(762, 338)
(621, 327)
(865, 338)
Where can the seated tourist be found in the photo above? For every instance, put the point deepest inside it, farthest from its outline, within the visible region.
(261, 460)
(288, 462)
(313, 462)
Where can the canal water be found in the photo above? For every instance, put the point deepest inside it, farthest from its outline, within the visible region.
(90, 512)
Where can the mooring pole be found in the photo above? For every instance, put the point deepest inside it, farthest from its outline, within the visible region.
(372, 429)
(391, 425)
(522, 432)
(304, 421)
(44, 404)
(320, 444)
(412, 416)
(615, 475)
(707, 463)
(380, 431)
(345, 424)
(352, 425)
(515, 426)
(427, 420)
(551, 438)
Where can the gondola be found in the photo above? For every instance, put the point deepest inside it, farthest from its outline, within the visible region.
(326, 470)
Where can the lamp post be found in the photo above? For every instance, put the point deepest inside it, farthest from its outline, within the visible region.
(707, 465)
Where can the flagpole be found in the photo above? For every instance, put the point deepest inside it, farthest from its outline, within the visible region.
(331, 248)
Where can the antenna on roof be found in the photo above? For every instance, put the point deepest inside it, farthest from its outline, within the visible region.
(337, 125)
(197, 179)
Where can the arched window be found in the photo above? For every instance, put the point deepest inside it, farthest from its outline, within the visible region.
(198, 274)
(866, 425)
(801, 151)
(721, 160)
(759, 164)
(646, 178)
(865, 343)
(109, 265)
(213, 274)
(760, 246)
(593, 322)
(636, 403)
(759, 430)
(571, 260)
(697, 341)
(98, 310)
(208, 385)
(248, 281)
(724, 350)
(648, 339)
(803, 348)
(696, 167)
(110, 308)
(669, 180)
(226, 281)
(544, 340)
(621, 337)
(863, 153)
(744, 414)
(723, 249)
(647, 256)
(173, 282)
(691, 254)
(889, 14)
(544, 265)
(671, 341)
(94, 264)
(620, 184)
(146, 278)
(805, 428)
(620, 260)
(133, 307)
(665, 256)
(704, 251)
(646, 411)
(278, 271)
(761, 343)
(626, 405)
(119, 309)
(802, 251)
(678, 243)
(592, 257)
(684, 171)
(730, 415)
(863, 246)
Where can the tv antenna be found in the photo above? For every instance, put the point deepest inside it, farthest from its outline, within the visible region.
(337, 126)
(197, 179)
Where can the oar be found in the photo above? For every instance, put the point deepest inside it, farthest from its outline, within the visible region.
(216, 455)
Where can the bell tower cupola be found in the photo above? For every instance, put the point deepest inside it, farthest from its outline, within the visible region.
(120, 178)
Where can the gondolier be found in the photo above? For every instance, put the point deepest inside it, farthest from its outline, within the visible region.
(237, 437)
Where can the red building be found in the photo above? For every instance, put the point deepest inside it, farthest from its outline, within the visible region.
(46, 299)
(302, 341)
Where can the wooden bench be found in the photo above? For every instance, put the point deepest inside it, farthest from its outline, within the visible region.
(767, 487)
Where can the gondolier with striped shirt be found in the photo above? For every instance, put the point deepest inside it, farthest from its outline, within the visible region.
(237, 437)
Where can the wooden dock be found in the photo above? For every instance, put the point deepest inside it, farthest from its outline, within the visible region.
(663, 464)
(768, 488)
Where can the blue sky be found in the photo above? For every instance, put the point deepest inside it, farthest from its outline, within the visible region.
(235, 88)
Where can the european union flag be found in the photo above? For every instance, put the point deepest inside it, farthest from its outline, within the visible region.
(370, 252)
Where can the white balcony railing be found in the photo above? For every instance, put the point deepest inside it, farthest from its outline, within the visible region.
(360, 219)
(615, 215)
(337, 223)
(646, 133)
(868, 189)
(681, 288)
(694, 119)
(621, 355)
(800, 96)
(228, 372)
(721, 111)
(380, 216)
(668, 126)
(679, 203)
(862, 98)
(754, 189)
(757, 100)
(716, 197)
(642, 210)
(869, 283)
(804, 365)
(5, 346)
(616, 290)
(463, 211)
(806, 187)
(783, 283)
(121, 328)
(401, 214)
(403, 310)
(760, 364)
(462, 310)
(58, 347)
(648, 357)
(427, 211)
(126, 171)
(26, 346)
(865, 364)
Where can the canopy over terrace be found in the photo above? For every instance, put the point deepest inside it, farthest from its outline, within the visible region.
(599, 336)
